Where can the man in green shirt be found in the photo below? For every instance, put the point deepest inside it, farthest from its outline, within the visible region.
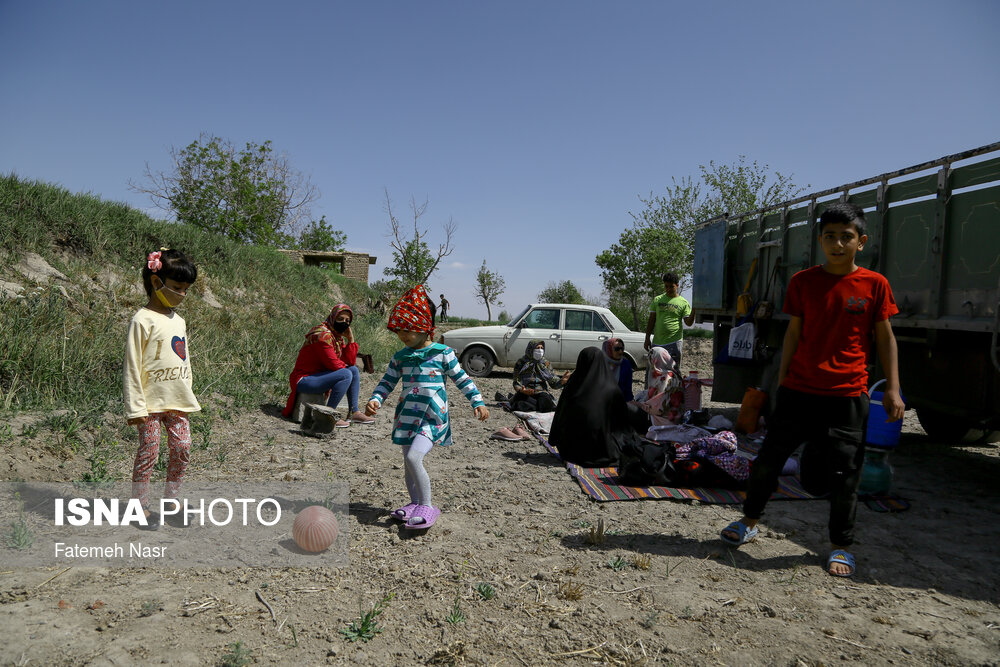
(666, 314)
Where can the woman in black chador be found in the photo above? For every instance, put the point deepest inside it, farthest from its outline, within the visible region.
(591, 423)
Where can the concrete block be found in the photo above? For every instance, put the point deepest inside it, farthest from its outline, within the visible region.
(319, 419)
(301, 399)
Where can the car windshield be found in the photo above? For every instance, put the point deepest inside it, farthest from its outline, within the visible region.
(517, 317)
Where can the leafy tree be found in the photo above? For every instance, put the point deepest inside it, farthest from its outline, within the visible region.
(489, 286)
(319, 235)
(250, 195)
(662, 235)
(563, 292)
(742, 187)
(631, 267)
(413, 260)
(674, 215)
(621, 309)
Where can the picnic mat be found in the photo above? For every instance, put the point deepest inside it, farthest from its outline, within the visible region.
(602, 484)
(885, 503)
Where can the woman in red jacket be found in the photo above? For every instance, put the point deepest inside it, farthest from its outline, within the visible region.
(326, 363)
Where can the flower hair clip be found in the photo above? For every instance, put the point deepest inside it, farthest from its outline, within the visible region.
(153, 261)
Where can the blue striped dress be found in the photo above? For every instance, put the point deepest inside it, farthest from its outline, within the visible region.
(423, 408)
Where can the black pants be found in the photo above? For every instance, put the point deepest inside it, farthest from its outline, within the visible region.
(833, 428)
(538, 402)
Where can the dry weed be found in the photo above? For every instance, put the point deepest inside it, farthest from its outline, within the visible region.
(643, 562)
(596, 534)
(569, 590)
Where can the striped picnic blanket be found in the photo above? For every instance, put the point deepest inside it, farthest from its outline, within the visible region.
(602, 484)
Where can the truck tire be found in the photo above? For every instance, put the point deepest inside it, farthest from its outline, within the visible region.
(940, 426)
(477, 361)
(985, 437)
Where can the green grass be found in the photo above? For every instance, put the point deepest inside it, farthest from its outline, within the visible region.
(698, 333)
(66, 350)
(617, 563)
(238, 655)
(366, 626)
(485, 590)
(19, 536)
(99, 477)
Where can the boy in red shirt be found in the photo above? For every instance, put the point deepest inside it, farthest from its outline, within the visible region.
(822, 396)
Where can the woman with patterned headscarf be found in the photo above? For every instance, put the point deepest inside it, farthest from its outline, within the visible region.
(326, 364)
(532, 376)
(664, 395)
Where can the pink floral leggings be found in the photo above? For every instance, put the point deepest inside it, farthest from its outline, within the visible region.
(179, 442)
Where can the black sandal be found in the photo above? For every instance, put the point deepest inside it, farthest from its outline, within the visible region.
(152, 522)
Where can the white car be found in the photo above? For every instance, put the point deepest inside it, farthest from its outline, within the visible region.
(565, 328)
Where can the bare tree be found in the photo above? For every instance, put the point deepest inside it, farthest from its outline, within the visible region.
(414, 263)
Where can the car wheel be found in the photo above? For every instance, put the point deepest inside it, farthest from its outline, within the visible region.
(940, 426)
(478, 361)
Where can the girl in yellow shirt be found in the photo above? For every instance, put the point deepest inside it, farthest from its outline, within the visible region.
(157, 375)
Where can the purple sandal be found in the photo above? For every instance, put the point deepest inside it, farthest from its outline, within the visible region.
(428, 513)
(403, 513)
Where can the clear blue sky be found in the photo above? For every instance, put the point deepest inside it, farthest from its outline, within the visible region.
(535, 125)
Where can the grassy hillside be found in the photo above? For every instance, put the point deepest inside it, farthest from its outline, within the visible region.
(62, 342)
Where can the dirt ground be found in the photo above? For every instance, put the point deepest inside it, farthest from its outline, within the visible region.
(661, 589)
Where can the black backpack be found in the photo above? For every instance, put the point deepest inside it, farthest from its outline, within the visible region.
(693, 473)
(647, 463)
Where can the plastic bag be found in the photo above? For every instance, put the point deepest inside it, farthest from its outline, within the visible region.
(741, 341)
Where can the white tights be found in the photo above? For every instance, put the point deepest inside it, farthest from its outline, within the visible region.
(418, 483)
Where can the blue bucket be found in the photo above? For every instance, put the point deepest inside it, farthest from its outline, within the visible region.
(878, 433)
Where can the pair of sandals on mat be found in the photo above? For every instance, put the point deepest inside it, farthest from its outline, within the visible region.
(409, 513)
(512, 434)
(738, 533)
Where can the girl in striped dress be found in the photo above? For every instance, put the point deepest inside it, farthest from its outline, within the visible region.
(421, 418)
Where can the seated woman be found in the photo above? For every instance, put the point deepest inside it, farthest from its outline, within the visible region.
(591, 424)
(664, 395)
(532, 376)
(326, 363)
(621, 367)
(621, 371)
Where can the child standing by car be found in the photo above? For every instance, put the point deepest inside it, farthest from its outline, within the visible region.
(421, 417)
(157, 374)
(835, 310)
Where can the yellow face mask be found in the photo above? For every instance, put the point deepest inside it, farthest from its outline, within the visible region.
(170, 302)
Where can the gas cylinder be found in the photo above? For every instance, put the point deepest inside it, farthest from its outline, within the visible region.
(876, 475)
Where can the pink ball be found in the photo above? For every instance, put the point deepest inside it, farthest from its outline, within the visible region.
(315, 528)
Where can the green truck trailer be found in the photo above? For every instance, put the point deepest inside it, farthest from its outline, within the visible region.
(934, 232)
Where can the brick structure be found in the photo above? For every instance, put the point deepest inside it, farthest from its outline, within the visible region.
(352, 264)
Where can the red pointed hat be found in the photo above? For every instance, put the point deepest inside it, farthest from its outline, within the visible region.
(412, 312)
